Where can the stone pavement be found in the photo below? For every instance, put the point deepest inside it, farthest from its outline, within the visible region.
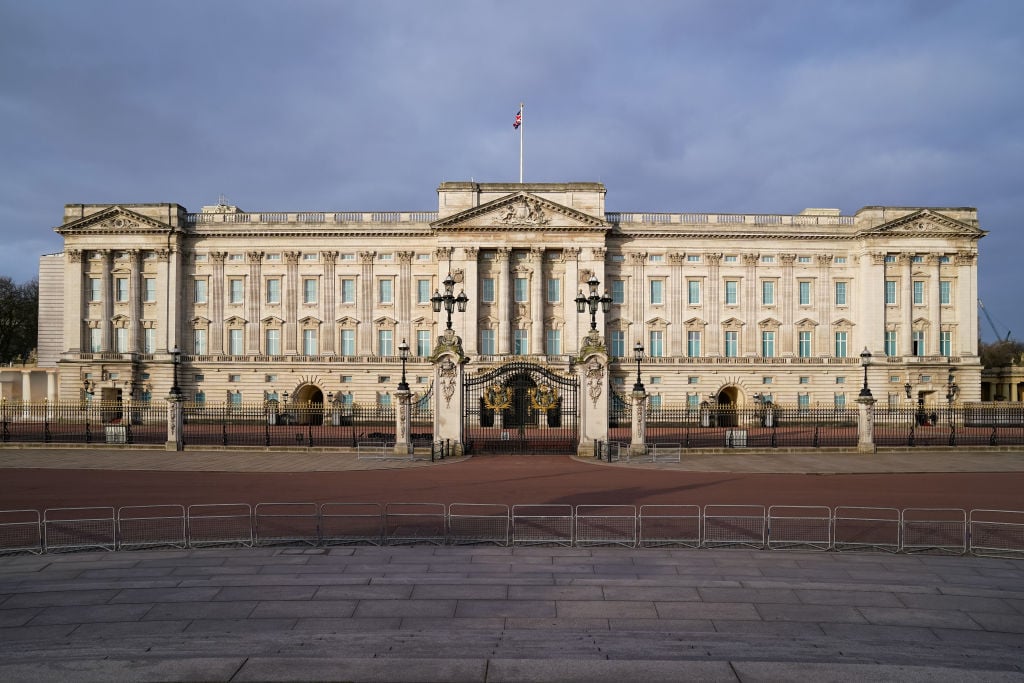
(483, 613)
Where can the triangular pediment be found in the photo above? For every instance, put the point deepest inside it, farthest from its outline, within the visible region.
(235, 320)
(805, 322)
(347, 321)
(487, 321)
(695, 322)
(842, 322)
(115, 220)
(385, 321)
(272, 320)
(657, 321)
(521, 211)
(310, 320)
(733, 322)
(926, 223)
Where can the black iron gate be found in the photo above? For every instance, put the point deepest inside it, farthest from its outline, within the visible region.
(521, 408)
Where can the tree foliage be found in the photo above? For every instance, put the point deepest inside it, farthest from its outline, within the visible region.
(1001, 353)
(19, 317)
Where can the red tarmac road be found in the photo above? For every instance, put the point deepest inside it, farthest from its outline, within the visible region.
(509, 480)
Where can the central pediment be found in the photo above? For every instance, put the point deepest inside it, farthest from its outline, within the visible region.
(114, 220)
(521, 211)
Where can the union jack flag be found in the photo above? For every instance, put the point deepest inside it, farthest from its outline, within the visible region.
(519, 120)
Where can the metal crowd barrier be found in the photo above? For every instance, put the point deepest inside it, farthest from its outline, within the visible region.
(949, 531)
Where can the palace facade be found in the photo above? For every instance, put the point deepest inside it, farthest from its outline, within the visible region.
(314, 304)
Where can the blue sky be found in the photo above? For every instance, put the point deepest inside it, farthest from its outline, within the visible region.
(717, 106)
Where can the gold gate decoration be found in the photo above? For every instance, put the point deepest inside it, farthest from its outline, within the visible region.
(544, 397)
(497, 397)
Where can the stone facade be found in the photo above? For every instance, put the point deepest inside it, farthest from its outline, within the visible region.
(316, 303)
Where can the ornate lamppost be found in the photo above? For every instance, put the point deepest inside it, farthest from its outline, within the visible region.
(865, 360)
(449, 300)
(594, 301)
(176, 361)
(638, 354)
(403, 353)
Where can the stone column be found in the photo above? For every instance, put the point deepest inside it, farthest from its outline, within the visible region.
(592, 375)
(823, 334)
(290, 304)
(866, 424)
(449, 371)
(174, 423)
(966, 286)
(328, 304)
(77, 309)
(934, 310)
(403, 297)
(107, 335)
(216, 305)
(715, 302)
(677, 331)
(869, 296)
(253, 296)
(906, 302)
(403, 423)
(504, 295)
(166, 302)
(749, 305)
(537, 301)
(786, 346)
(637, 444)
(471, 285)
(51, 385)
(135, 301)
(26, 385)
(638, 295)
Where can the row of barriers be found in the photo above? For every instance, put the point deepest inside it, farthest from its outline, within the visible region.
(981, 532)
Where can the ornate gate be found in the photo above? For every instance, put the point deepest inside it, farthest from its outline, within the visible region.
(521, 408)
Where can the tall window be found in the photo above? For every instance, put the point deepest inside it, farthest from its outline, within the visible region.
(149, 289)
(198, 342)
(945, 344)
(918, 292)
(945, 289)
(732, 288)
(657, 291)
(803, 402)
(237, 291)
(94, 289)
(149, 340)
(693, 292)
(805, 293)
(95, 340)
(618, 291)
(235, 346)
(423, 291)
(917, 341)
(274, 291)
(731, 343)
(839, 401)
(693, 343)
(768, 344)
(553, 345)
(384, 343)
(348, 291)
(840, 294)
(385, 291)
(487, 342)
(804, 344)
(768, 292)
(487, 290)
(618, 343)
(348, 342)
(121, 340)
(309, 290)
(522, 290)
(521, 342)
(890, 343)
(840, 345)
(656, 344)
(121, 289)
(273, 339)
(422, 343)
(890, 292)
(554, 290)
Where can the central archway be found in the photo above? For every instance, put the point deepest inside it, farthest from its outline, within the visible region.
(311, 398)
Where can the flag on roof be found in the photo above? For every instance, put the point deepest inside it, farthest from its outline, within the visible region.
(519, 119)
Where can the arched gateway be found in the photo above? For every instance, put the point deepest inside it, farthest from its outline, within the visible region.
(521, 408)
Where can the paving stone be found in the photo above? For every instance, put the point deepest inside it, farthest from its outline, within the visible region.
(200, 610)
(215, 570)
(239, 625)
(460, 591)
(606, 609)
(963, 603)
(506, 608)
(918, 617)
(961, 637)
(363, 591)
(411, 670)
(706, 610)
(759, 595)
(856, 673)
(605, 671)
(299, 609)
(121, 629)
(231, 593)
(407, 608)
(17, 616)
(143, 669)
(780, 629)
(36, 633)
(1004, 623)
(875, 632)
(850, 598)
(164, 595)
(673, 626)
(555, 593)
(89, 614)
(60, 597)
(327, 625)
(557, 624)
(461, 624)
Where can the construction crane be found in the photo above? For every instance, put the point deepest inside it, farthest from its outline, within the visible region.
(992, 324)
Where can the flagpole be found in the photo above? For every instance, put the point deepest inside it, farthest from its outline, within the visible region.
(520, 143)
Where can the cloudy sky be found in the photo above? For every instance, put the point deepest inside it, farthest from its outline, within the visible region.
(689, 105)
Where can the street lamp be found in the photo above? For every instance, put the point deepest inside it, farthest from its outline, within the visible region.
(638, 353)
(176, 360)
(403, 353)
(449, 300)
(908, 388)
(865, 360)
(594, 300)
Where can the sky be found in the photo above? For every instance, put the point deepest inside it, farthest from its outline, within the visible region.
(732, 106)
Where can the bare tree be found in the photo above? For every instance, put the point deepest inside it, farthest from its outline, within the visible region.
(19, 317)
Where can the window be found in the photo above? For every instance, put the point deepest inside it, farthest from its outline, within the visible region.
(309, 347)
(730, 258)
(93, 288)
(840, 294)
(149, 340)
(273, 339)
(237, 290)
(235, 398)
(840, 380)
(767, 380)
(693, 343)
(423, 291)
(270, 378)
(422, 257)
(732, 288)
(384, 343)
(655, 346)
(731, 343)
(917, 342)
(945, 343)
(553, 342)
(199, 342)
(656, 258)
(272, 257)
(95, 340)
(522, 290)
(348, 342)
(768, 292)
(618, 291)
(805, 380)
(149, 289)
(618, 343)
(803, 402)
(693, 292)
(316, 257)
(918, 258)
(804, 344)
(121, 340)
(234, 378)
(385, 291)
(693, 401)
(890, 292)
(890, 343)
(945, 287)
(274, 291)
(767, 259)
(805, 293)
(487, 342)
(554, 290)
(890, 258)
(657, 292)
(422, 343)
(768, 344)
(840, 400)
(309, 290)
(803, 259)
(235, 347)
(200, 397)
(121, 289)
(235, 257)
(348, 291)
(840, 344)
(918, 292)
(521, 343)
(487, 290)
(693, 258)
(840, 259)
(655, 401)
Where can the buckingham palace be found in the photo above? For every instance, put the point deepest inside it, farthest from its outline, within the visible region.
(312, 306)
